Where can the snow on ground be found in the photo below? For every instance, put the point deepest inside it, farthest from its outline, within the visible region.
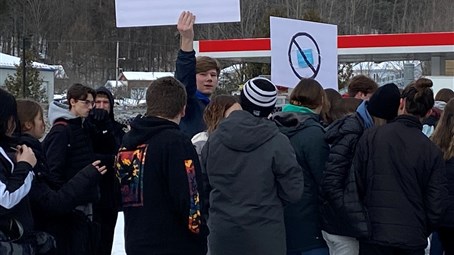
(119, 240)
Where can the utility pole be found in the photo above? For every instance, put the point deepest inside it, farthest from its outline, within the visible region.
(116, 64)
(24, 70)
(117, 68)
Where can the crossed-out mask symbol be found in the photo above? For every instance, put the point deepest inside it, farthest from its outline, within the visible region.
(304, 59)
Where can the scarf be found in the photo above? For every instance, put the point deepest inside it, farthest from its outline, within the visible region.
(364, 115)
(296, 108)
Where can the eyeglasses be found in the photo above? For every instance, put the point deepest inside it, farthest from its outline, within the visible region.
(87, 102)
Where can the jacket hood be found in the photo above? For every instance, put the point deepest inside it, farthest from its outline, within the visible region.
(242, 131)
(200, 137)
(105, 91)
(289, 123)
(59, 111)
(145, 127)
(350, 124)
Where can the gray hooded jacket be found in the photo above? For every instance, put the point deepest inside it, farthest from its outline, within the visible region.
(252, 173)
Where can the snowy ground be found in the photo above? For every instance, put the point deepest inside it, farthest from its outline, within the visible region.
(119, 241)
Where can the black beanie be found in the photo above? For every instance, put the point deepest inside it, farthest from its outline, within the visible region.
(384, 103)
(258, 97)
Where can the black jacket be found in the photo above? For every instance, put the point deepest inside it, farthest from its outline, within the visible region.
(402, 183)
(252, 172)
(47, 203)
(15, 182)
(302, 219)
(161, 186)
(106, 136)
(192, 123)
(448, 219)
(67, 146)
(342, 136)
(68, 151)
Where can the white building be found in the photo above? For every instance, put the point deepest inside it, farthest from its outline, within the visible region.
(8, 65)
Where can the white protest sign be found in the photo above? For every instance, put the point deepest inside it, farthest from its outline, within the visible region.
(303, 49)
(139, 13)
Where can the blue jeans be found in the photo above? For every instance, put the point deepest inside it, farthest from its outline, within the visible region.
(318, 251)
(435, 245)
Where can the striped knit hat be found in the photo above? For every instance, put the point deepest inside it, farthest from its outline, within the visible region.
(259, 96)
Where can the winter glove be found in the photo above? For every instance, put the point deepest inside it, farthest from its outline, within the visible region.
(99, 115)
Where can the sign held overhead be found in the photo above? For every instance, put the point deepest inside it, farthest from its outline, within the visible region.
(303, 49)
(140, 13)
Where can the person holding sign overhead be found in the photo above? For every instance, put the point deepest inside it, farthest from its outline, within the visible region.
(199, 76)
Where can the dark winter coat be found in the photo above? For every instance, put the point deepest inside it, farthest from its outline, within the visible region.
(47, 203)
(192, 123)
(448, 219)
(302, 219)
(402, 183)
(68, 150)
(106, 136)
(15, 183)
(342, 135)
(252, 172)
(67, 146)
(161, 186)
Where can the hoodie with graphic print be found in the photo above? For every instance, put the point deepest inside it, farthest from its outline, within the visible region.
(161, 184)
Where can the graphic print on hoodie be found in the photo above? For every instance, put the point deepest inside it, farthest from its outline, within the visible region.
(130, 165)
(139, 155)
(194, 208)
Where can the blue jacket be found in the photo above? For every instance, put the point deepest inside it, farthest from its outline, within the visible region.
(192, 123)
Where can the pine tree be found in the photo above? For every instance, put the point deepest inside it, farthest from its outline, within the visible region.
(33, 87)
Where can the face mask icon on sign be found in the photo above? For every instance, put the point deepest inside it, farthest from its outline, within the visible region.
(304, 56)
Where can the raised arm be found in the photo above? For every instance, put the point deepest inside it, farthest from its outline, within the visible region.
(185, 64)
(186, 28)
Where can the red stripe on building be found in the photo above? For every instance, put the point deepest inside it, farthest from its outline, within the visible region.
(235, 45)
(395, 40)
(343, 41)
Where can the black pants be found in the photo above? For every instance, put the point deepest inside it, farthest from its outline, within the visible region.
(107, 219)
(373, 249)
(447, 240)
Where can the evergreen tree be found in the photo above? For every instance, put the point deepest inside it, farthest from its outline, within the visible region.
(33, 86)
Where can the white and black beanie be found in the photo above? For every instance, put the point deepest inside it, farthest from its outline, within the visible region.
(259, 96)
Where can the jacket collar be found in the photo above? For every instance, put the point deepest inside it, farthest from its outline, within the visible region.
(409, 120)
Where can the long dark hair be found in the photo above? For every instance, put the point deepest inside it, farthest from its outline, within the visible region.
(8, 113)
(419, 97)
(443, 135)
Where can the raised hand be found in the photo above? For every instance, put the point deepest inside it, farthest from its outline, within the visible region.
(25, 154)
(185, 27)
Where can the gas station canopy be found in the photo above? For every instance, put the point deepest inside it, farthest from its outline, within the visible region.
(351, 48)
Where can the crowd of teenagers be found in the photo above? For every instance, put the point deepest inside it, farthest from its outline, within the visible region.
(369, 172)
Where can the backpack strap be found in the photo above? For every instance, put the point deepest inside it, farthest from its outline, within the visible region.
(61, 122)
(64, 123)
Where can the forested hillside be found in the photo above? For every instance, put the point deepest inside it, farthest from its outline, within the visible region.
(81, 34)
